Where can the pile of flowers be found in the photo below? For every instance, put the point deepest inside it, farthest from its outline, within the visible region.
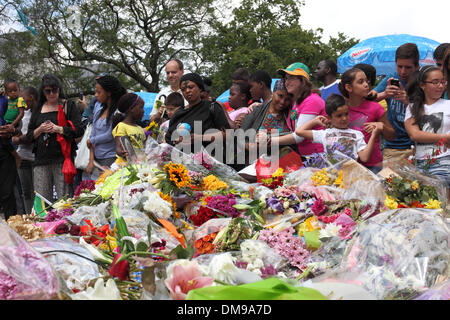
(161, 229)
(404, 193)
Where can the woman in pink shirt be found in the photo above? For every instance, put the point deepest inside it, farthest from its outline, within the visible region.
(307, 105)
(365, 115)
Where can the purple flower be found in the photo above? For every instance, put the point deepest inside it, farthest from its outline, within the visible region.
(268, 271)
(55, 215)
(274, 203)
(8, 286)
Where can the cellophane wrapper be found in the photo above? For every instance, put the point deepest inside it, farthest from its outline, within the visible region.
(75, 270)
(406, 170)
(24, 273)
(397, 254)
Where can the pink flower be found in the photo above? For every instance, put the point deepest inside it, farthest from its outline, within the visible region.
(185, 279)
(319, 208)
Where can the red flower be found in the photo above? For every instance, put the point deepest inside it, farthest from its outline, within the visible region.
(75, 230)
(120, 269)
(62, 229)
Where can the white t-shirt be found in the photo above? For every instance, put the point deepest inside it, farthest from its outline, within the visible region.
(165, 91)
(350, 141)
(26, 150)
(436, 119)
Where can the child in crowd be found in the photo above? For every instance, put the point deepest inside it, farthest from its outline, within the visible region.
(239, 98)
(174, 101)
(16, 104)
(427, 121)
(131, 107)
(338, 116)
(365, 115)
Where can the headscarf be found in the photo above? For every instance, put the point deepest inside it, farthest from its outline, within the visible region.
(197, 79)
(279, 85)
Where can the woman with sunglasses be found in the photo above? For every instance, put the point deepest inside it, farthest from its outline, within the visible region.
(427, 121)
(54, 125)
(108, 91)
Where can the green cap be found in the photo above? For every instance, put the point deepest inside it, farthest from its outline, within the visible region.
(296, 69)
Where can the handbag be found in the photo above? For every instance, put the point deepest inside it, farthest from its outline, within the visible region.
(83, 152)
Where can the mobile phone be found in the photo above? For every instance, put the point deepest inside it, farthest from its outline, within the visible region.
(81, 96)
(395, 82)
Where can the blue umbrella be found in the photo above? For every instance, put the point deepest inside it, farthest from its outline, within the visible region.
(380, 52)
(225, 96)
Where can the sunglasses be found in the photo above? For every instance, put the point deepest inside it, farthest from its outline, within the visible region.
(50, 91)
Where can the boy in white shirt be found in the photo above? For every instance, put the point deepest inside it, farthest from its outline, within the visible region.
(339, 136)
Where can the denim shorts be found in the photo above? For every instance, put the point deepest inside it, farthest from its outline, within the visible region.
(440, 169)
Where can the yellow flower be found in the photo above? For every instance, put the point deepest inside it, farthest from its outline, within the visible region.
(103, 176)
(278, 173)
(339, 180)
(433, 204)
(321, 178)
(415, 185)
(390, 203)
(213, 183)
(178, 174)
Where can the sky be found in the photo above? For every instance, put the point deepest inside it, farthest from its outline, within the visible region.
(362, 19)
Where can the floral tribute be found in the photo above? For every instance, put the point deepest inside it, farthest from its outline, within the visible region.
(276, 180)
(404, 193)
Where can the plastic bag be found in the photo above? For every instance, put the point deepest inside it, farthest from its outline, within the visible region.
(210, 226)
(136, 221)
(399, 253)
(83, 153)
(76, 266)
(96, 214)
(441, 291)
(24, 273)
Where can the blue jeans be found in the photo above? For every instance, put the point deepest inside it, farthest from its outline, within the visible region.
(440, 169)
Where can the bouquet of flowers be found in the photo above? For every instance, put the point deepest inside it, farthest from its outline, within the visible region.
(404, 193)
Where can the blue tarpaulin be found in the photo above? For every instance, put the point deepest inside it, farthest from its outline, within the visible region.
(149, 100)
(380, 52)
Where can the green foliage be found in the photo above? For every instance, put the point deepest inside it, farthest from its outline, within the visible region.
(265, 35)
(133, 39)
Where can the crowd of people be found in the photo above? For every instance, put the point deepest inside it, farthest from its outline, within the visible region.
(406, 114)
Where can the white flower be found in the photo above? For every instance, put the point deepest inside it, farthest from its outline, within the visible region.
(222, 268)
(99, 292)
(155, 204)
(97, 255)
(145, 173)
(331, 230)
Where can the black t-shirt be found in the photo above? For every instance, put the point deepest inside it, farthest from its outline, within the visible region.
(209, 114)
(46, 148)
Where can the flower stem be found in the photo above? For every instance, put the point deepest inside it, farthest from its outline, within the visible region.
(141, 253)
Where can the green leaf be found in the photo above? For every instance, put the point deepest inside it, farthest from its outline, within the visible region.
(183, 253)
(149, 232)
(141, 246)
